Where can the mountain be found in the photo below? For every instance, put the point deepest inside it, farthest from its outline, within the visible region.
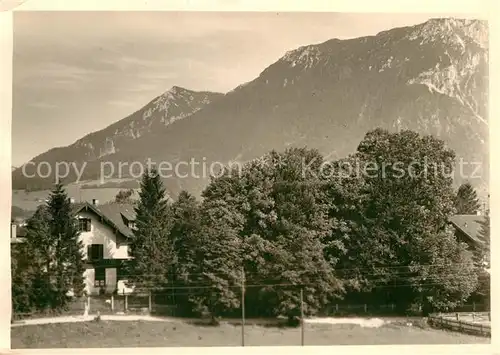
(172, 106)
(431, 78)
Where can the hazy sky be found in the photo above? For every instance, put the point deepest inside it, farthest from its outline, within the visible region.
(78, 72)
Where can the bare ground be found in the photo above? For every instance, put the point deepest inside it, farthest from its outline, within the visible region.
(171, 332)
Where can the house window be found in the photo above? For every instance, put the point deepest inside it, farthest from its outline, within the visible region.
(100, 277)
(95, 252)
(84, 224)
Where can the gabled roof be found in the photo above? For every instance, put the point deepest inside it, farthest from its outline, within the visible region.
(470, 225)
(112, 214)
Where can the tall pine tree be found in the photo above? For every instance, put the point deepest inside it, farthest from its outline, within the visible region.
(66, 266)
(466, 201)
(185, 235)
(151, 249)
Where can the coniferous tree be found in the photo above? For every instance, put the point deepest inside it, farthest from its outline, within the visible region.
(219, 256)
(482, 293)
(39, 246)
(67, 266)
(23, 275)
(50, 261)
(185, 234)
(466, 201)
(151, 249)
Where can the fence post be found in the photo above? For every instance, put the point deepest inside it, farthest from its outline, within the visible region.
(456, 315)
(150, 306)
(366, 308)
(473, 306)
(301, 317)
(112, 303)
(242, 307)
(336, 307)
(392, 306)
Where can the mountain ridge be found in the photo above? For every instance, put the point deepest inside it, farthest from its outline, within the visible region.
(429, 78)
(173, 105)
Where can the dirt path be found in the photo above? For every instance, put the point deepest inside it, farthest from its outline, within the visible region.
(75, 319)
(363, 322)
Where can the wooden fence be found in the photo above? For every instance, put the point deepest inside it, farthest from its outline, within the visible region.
(470, 323)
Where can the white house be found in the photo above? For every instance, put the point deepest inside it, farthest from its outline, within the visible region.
(105, 231)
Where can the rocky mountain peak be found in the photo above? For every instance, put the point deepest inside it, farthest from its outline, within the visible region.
(305, 56)
(459, 32)
(430, 78)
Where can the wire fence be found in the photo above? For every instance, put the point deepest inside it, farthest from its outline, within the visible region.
(461, 319)
(163, 302)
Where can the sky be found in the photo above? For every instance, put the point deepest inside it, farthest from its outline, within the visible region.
(77, 72)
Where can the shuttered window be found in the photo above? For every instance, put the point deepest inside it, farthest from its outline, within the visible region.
(84, 224)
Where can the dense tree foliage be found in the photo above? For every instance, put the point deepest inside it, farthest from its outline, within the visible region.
(370, 228)
(125, 196)
(48, 266)
(394, 211)
(484, 236)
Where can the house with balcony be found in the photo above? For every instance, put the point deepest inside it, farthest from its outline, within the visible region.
(106, 231)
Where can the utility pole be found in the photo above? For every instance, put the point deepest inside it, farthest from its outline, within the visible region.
(302, 316)
(242, 307)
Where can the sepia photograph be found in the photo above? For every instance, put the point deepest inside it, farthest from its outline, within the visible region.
(229, 179)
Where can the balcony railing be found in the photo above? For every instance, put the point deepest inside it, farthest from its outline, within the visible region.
(107, 262)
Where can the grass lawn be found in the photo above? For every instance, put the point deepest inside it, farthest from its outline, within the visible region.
(177, 333)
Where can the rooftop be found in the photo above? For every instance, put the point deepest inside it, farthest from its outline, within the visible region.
(115, 214)
(470, 225)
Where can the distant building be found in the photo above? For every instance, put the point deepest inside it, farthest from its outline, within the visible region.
(467, 230)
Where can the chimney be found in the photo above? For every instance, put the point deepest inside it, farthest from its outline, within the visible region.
(95, 202)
